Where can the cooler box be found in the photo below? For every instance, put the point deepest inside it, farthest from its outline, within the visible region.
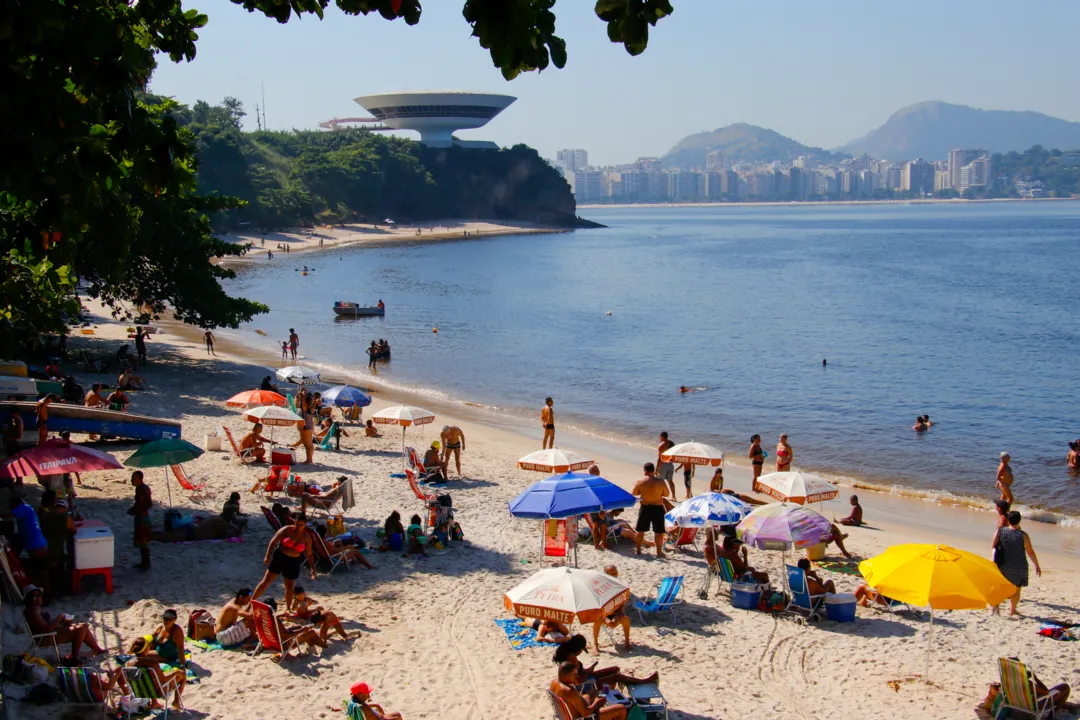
(88, 523)
(815, 552)
(93, 547)
(840, 607)
(745, 595)
(282, 456)
(14, 368)
(213, 443)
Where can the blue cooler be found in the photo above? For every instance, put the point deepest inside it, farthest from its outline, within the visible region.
(840, 607)
(745, 595)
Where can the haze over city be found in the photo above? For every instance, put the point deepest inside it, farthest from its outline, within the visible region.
(822, 75)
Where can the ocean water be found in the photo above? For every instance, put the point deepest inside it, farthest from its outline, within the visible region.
(965, 312)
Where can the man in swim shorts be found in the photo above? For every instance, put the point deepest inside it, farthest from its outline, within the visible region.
(453, 440)
(652, 491)
(547, 419)
(665, 470)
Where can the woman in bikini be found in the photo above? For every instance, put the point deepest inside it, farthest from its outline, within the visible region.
(784, 455)
(547, 631)
(307, 611)
(1005, 478)
(757, 458)
(285, 556)
(146, 657)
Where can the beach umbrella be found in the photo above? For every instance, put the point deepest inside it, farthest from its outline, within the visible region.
(554, 460)
(693, 453)
(163, 453)
(567, 594)
(255, 398)
(796, 487)
(405, 416)
(569, 494)
(346, 396)
(779, 526)
(937, 576)
(708, 510)
(298, 375)
(56, 457)
(273, 416)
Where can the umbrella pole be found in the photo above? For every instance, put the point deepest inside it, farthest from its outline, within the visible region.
(402, 448)
(168, 485)
(929, 640)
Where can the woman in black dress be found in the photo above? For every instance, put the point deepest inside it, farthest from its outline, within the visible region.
(1012, 548)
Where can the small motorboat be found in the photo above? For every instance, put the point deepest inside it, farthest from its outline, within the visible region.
(351, 309)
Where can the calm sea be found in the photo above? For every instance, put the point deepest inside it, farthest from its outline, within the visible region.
(967, 313)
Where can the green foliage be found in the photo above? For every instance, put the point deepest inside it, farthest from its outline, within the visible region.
(1060, 175)
(629, 20)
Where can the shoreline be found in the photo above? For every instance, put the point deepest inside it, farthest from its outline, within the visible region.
(816, 203)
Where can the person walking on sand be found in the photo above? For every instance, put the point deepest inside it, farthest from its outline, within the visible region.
(547, 419)
(652, 491)
(784, 455)
(1011, 545)
(42, 412)
(453, 441)
(1005, 478)
(757, 458)
(665, 470)
(209, 338)
(140, 344)
(294, 342)
(140, 512)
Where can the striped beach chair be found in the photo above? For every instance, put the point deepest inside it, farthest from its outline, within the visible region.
(144, 683)
(665, 599)
(1019, 692)
(82, 686)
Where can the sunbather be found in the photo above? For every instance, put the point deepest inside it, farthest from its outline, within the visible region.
(617, 618)
(166, 642)
(855, 518)
(360, 709)
(345, 544)
(67, 631)
(251, 445)
(212, 528)
(370, 430)
(547, 631)
(117, 400)
(581, 706)
(323, 500)
(577, 644)
(814, 584)
(326, 426)
(306, 634)
(598, 528)
(434, 467)
(735, 552)
(1059, 693)
(306, 610)
(865, 594)
(145, 657)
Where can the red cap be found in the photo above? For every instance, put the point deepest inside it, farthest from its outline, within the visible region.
(360, 688)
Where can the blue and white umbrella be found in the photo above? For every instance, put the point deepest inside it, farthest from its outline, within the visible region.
(710, 509)
(346, 396)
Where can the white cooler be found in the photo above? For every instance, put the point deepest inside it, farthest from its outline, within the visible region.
(93, 547)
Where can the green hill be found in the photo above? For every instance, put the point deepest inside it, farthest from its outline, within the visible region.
(740, 143)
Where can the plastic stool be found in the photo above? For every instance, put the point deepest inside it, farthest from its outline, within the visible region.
(77, 576)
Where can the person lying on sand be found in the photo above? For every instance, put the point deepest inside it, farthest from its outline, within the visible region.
(213, 528)
(306, 634)
(864, 595)
(67, 631)
(306, 610)
(547, 631)
(814, 584)
(236, 611)
(581, 706)
(748, 499)
(855, 518)
(145, 657)
(617, 618)
(577, 644)
(359, 708)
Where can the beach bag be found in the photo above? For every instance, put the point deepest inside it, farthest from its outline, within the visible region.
(200, 625)
(233, 635)
(335, 525)
(456, 533)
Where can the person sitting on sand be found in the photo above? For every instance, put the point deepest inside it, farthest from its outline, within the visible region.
(230, 512)
(598, 529)
(251, 445)
(370, 430)
(577, 644)
(117, 400)
(212, 528)
(236, 611)
(547, 631)
(414, 535)
(434, 467)
(393, 537)
(358, 707)
(579, 705)
(130, 381)
(306, 634)
(268, 386)
(145, 657)
(306, 610)
(67, 631)
(814, 584)
(855, 518)
(93, 398)
(716, 484)
(617, 618)
(734, 551)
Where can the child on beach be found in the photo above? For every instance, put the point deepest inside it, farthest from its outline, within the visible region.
(285, 350)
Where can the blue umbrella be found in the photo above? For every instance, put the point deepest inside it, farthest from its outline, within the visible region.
(571, 493)
(346, 396)
(709, 509)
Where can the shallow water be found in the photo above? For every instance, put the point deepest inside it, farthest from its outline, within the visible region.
(963, 312)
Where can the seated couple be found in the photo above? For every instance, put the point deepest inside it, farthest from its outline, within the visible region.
(734, 551)
(396, 537)
(578, 686)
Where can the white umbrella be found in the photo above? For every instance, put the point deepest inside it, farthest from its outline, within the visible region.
(273, 416)
(710, 509)
(554, 460)
(405, 416)
(298, 375)
(693, 453)
(796, 487)
(566, 594)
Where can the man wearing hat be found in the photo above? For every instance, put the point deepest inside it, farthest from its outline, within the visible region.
(359, 709)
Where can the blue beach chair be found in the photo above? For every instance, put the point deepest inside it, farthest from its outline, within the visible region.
(665, 599)
(802, 603)
(327, 443)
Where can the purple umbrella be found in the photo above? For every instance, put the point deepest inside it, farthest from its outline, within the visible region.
(779, 526)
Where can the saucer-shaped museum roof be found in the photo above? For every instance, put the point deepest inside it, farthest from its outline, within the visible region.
(435, 114)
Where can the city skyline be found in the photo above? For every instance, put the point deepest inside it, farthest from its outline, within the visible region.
(823, 78)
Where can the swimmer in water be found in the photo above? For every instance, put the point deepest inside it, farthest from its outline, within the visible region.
(684, 389)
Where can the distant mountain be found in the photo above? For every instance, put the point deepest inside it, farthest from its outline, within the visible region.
(931, 129)
(740, 143)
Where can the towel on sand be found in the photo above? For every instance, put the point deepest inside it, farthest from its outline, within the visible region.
(520, 636)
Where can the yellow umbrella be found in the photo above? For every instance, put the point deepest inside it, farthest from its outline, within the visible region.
(938, 576)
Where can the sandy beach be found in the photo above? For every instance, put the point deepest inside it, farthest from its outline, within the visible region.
(430, 647)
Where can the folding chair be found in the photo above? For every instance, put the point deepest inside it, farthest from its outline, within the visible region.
(245, 457)
(686, 536)
(186, 483)
(270, 633)
(83, 686)
(275, 524)
(42, 640)
(144, 683)
(327, 443)
(418, 465)
(1019, 691)
(326, 556)
(802, 603)
(560, 710)
(665, 599)
(558, 540)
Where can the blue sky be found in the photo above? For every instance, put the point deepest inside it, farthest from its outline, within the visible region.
(820, 72)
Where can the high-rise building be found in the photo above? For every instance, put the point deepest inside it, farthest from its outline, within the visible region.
(941, 180)
(714, 161)
(917, 177)
(587, 185)
(635, 185)
(682, 186)
(975, 174)
(729, 183)
(714, 186)
(572, 160)
(957, 160)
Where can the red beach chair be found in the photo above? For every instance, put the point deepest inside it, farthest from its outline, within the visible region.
(270, 518)
(687, 536)
(185, 482)
(244, 458)
(270, 633)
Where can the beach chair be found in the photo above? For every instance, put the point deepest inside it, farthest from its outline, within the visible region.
(802, 603)
(270, 633)
(186, 483)
(292, 403)
(245, 457)
(327, 443)
(82, 686)
(559, 708)
(723, 573)
(1018, 691)
(558, 540)
(41, 640)
(325, 556)
(418, 465)
(665, 599)
(275, 525)
(686, 536)
(144, 683)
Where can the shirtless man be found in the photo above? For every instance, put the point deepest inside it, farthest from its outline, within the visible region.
(665, 470)
(1005, 478)
(453, 441)
(43, 417)
(251, 444)
(208, 338)
(93, 398)
(294, 342)
(813, 583)
(855, 518)
(547, 419)
(784, 455)
(580, 706)
(237, 610)
(652, 491)
(130, 381)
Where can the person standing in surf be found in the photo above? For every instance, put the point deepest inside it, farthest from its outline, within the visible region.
(1005, 478)
(784, 455)
(294, 342)
(547, 419)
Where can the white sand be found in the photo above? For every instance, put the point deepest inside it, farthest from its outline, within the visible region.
(430, 647)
